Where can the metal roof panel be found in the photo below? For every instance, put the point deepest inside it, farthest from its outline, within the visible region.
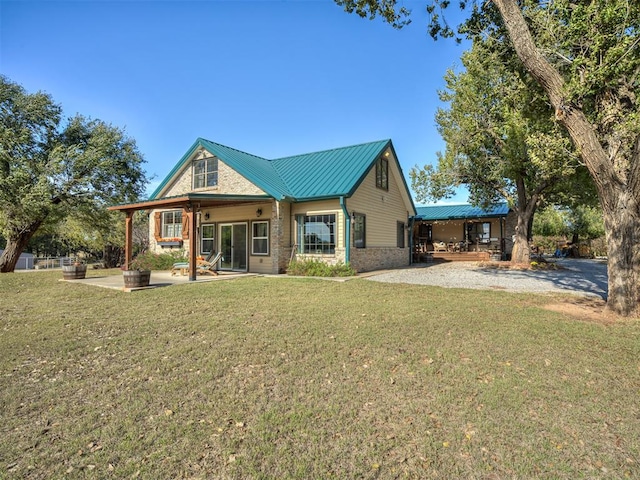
(328, 173)
(462, 211)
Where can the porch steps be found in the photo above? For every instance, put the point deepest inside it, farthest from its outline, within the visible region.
(457, 257)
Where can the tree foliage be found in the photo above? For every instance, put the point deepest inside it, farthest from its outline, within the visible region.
(582, 221)
(585, 55)
(501, 141)
(51, 168)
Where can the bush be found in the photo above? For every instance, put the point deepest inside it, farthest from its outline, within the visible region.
(548, 244)
(157, 261)
(318, 268)
(599, 247)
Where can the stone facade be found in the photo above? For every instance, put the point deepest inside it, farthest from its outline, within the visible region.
(376, 258)
(229, 181)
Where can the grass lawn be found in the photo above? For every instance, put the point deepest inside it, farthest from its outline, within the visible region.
(310, 379)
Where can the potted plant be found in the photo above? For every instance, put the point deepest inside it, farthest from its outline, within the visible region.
(75, 271)
(137, 275)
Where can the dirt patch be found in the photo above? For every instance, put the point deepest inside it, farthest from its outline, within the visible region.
(585, 309)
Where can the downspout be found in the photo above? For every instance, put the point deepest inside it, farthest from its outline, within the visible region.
(347, 219)
(411, 223)
(503, 254)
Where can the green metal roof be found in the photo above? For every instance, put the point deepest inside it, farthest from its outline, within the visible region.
(329, 173)
(325, 174)
(459, 212)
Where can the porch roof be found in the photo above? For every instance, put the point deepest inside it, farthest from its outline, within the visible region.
(460, 212)
(199, 199)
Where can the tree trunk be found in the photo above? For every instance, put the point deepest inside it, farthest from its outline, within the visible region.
(15, 247)
(618, 191)
(622, 227)
(520, 252)
(525, 210)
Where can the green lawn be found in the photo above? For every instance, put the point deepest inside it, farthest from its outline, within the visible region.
(307, 378)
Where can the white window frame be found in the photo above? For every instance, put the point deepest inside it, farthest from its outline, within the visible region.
(254, 238)
(206, 175)
(207, 239)
(172, 229)
(303, 220)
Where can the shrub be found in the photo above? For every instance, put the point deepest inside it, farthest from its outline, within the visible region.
(599, 247)
(318, 268)
(157, 261)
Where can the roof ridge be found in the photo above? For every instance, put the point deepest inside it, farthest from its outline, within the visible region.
(269, 164)
(332, 149)
(234, 149)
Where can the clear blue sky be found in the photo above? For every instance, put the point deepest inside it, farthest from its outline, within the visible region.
(272, 78)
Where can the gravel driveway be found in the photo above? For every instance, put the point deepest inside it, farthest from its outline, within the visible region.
(578, 276)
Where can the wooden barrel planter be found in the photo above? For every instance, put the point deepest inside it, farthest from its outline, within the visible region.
(74, 272)
(136, 278)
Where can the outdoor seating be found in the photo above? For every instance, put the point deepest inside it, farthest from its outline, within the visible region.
(207, 266)
(440, 247)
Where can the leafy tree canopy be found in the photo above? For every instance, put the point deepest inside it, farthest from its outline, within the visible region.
(50, 168)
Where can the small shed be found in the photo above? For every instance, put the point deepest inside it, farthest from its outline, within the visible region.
(25, 262)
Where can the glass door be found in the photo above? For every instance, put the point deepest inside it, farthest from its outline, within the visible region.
(233, 245)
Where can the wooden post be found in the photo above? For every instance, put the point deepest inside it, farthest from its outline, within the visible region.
(128, 238)
(192, 243)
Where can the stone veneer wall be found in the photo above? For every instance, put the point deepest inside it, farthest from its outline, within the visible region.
(509, 230)
(377, 258)
(279, 251)
(365, 259)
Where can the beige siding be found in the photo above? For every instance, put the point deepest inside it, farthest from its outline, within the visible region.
(383, 209)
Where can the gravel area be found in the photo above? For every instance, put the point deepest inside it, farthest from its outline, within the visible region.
(577, 276)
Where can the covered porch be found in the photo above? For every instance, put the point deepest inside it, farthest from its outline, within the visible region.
(460, 233)
(194, 207)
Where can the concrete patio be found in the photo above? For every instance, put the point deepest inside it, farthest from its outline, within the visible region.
(158, 279)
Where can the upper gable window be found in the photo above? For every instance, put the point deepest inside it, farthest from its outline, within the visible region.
(205, 172)
(382, 173)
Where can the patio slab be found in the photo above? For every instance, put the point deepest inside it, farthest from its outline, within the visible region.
(157, 279)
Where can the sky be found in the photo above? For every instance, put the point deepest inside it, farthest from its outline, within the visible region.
(273, 78)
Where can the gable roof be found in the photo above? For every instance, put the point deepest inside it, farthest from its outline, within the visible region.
(329, 173)
(325, 174)
(460, 212)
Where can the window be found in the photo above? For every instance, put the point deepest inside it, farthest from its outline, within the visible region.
(172, 224)
(359, 231)
(207, 238)
(205, 172)
(400, 234)
(260, 238)
(382, 173)
(478, 232)
(317, 233)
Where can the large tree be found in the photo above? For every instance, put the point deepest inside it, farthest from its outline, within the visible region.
(585, 54)
(501, 141)
(50, 168)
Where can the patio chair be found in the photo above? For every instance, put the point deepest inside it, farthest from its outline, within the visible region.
(183, 267)
(208, 266)
(440, 247)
